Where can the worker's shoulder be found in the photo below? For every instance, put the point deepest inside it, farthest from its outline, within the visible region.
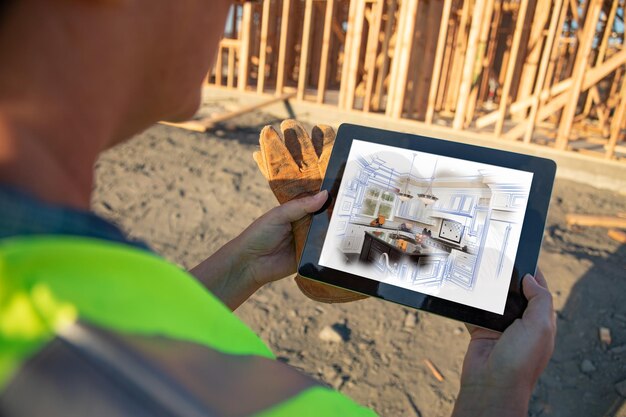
(124, 288)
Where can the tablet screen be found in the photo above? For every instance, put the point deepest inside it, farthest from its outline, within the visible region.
(436, 225)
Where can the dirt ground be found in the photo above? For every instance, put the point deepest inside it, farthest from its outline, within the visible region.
(186, 194)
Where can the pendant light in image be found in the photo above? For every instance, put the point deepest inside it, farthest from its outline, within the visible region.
(406, 196)
(428, 197)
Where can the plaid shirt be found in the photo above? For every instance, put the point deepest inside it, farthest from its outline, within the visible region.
(22, 214)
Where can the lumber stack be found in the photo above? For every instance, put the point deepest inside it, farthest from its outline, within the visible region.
(550, 72)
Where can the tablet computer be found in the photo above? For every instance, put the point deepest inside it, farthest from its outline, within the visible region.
(440, 226)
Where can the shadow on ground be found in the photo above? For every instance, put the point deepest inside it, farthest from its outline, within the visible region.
(580, 379)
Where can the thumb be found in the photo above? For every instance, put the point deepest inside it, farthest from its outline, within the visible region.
(532, 288)
(294, 210)
(539, 309)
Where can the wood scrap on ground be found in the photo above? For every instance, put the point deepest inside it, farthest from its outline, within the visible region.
(604, 333)
(434, 370)
(202, 125)
(617, 235)
(593, 220)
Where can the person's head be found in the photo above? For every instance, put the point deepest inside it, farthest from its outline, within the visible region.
(144, 59)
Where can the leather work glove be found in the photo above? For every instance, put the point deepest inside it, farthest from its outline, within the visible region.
(294, 165)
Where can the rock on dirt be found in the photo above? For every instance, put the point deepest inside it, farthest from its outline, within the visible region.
(329, 334)
(410, 320)
(620, 387)
(604, 333)
(587, 366)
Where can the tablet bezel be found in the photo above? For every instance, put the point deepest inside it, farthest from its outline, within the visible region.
(544, 171)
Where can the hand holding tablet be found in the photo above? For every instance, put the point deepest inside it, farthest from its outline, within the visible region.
(462, 224)
(500, 370)
(294, 164)
(450, 232)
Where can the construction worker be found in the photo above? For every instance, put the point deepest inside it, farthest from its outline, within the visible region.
(92, 323)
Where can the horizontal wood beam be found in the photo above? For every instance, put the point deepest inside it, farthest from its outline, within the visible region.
(202, 125)
(591, 77)
(592, 220)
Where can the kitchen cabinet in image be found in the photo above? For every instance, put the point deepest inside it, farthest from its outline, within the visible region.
(429, 270)
(461, 269)
(415, 210)
(509, 199)
(496, 254)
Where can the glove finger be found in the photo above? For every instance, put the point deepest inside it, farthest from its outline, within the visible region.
(278, 161)
(317, 137)
(323, 162)
(323, 138)
(260, 162)
(326, 293)
(299, 144)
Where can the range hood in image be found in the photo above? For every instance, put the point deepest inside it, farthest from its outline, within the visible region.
(453, 217)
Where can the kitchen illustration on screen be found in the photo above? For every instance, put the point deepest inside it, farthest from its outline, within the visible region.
(424, 221)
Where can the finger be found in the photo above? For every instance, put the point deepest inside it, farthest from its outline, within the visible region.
(278, 161)
(298, 143)
(295, 210)
(326, 135)
(480, 333)
(541, 280)
(261, 163)
(539, 309)
(322, 136)
(323, 162)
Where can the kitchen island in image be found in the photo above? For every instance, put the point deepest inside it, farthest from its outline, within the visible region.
(416, 263)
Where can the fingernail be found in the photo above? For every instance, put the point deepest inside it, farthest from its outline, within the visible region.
(312, 199)
(529, 276)
(322, 195)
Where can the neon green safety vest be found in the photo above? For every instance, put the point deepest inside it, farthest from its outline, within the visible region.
(47, 283)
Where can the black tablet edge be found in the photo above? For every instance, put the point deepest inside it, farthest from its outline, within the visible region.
(515, 305)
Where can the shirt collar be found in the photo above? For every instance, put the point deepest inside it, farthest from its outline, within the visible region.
(23, 214)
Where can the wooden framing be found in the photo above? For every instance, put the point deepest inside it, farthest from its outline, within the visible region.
(607, 31)
(352, 55)
(384, 67)
(372, 51)
(618, 123)
(468, 66)
(345, 71)
(282, 51)
(244, 50)
(457, 58)
(558, 9)
(533, 56)
(401, 58)
(475, 99)
(441, 44)
(541, 71)
(305, 49)
(265, 17)
(582, 58)
(323, 78)
(508, 79)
